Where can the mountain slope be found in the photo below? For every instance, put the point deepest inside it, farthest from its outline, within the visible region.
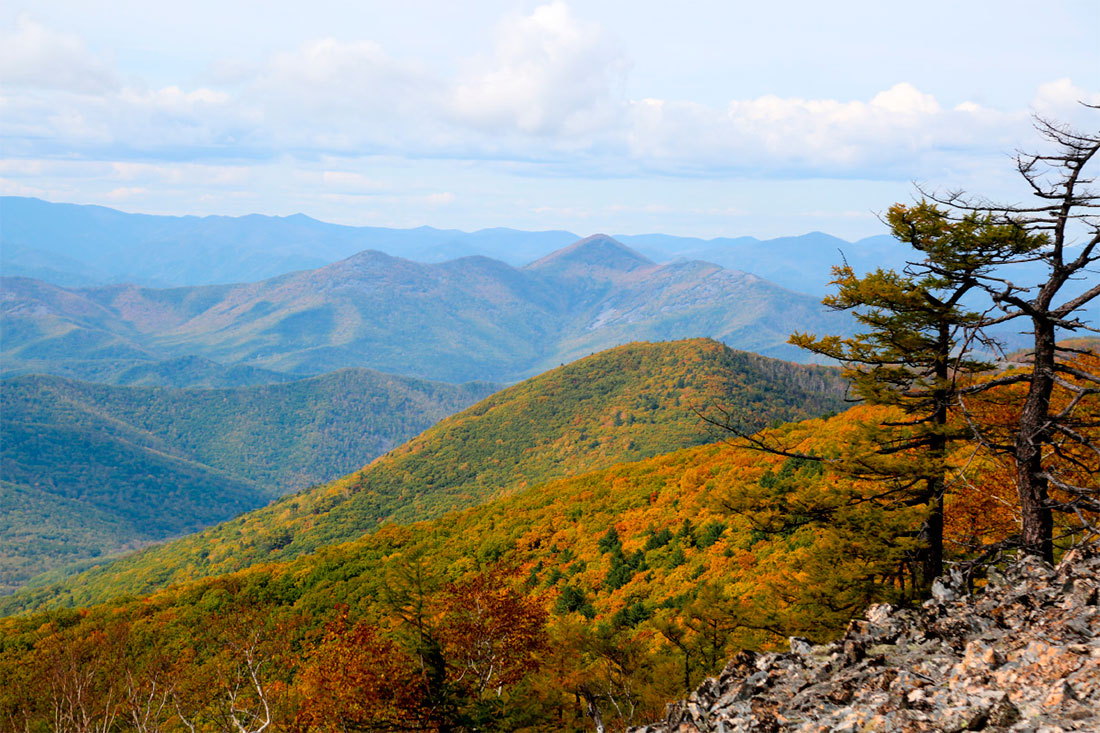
(598, 257)
(471, 318)
(647, 582)
(91, 494)
(144, 463)
(624, 404)
(448, 321)
(665, 301)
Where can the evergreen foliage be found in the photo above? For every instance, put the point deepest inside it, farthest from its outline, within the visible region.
(914, 357)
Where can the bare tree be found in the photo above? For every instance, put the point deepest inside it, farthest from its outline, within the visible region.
(148, 700)
(1065, 213)
(81, 679)
(247, 706)
(227, 680)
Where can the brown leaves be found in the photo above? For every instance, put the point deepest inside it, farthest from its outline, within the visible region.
(492, 635)
(358, 679)
(481, 639)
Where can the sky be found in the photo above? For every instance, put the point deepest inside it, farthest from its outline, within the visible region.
(710, 119)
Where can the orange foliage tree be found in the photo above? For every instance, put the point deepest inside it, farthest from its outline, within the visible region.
(357, 679)
(455, 656)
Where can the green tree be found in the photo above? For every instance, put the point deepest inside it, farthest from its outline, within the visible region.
(915, 354)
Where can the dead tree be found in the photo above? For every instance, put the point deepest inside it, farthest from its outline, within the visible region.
(1065, 212)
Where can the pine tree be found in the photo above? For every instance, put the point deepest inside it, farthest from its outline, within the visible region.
(914, 355)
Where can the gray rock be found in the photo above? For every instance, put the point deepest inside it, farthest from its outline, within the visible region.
(942, 593)
(1021, 654)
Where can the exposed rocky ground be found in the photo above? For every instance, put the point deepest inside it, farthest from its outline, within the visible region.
(1022, 654)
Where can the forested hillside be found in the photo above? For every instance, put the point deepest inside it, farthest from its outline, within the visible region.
(92, 469)
(592, 598)
(614, 591)
(628, 403)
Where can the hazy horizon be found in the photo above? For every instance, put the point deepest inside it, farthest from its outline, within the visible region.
(716, 120)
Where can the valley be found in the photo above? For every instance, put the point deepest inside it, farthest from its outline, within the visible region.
(91, 470)
(625, 404)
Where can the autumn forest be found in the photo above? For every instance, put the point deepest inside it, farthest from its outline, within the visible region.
(577, 549)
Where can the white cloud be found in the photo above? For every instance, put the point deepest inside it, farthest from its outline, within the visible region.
(136, 120)
(419, 201)
(34, 56)
(181, 173)
(653, 208)
(905, 99)
(442, 198)
(351, 182)
(15, 188)
(551, 75)
(896, 126)
(345, 97)
(173, 99)
(548, 100)
(59, 169)
(334, 75)
(123, 193)
(1061, 100)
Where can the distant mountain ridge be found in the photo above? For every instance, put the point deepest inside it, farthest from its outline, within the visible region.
(473, 318)
(80, 245)
(802, 263)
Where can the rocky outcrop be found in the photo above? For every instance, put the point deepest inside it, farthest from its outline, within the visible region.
(1022, 654)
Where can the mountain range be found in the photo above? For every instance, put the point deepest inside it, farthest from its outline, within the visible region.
(468, 319)
(572, 550)
(625, 404)
(90, 470)
(78, 245)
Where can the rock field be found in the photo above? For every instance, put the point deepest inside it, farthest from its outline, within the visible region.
(1021, 654)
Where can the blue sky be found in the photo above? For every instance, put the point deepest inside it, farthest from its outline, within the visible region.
(697, 118)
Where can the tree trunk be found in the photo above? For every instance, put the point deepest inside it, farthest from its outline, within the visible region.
(593, 711)
(931, 555)
(1037, 532)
